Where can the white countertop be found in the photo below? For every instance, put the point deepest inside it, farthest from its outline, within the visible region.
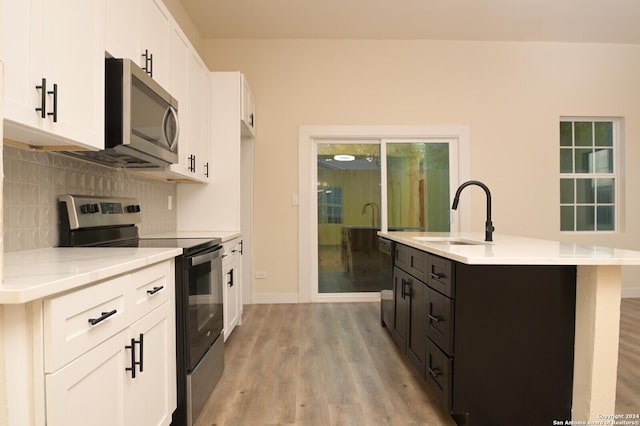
(224, 235)
(34, 274)
(511, 250)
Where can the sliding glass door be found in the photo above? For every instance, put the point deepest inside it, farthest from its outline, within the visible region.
(348, 217)
(399, 185)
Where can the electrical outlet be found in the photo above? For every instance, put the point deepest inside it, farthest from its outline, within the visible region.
(261, 275)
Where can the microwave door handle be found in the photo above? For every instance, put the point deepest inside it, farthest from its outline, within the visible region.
(171, 111)
(208, 257)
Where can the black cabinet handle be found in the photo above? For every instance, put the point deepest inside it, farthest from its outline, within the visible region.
(435, 276)
(192, 163)
(141, 343)
(133, 358)
(206, 169)
(43, 98)
(434, 373)
(404, 292)
(148, 62)
(103, 316)
(154, 290)
(251, 119)
(434, 318)
(132, 347)
(230, 280)
(54, 92)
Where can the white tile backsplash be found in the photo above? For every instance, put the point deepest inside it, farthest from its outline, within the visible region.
(34, 180)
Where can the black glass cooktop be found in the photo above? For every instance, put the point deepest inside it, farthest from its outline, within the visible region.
(188, 245)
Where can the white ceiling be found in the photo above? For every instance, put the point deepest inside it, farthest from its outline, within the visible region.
(600, 21)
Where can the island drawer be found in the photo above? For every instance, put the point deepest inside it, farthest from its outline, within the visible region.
(411, 260)
(440, 315)
(438, 375)
(440, 275)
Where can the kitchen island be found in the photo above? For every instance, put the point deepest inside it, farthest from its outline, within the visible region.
(593, 272)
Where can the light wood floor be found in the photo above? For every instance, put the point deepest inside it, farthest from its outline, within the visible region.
(333, 364)
(317, 364)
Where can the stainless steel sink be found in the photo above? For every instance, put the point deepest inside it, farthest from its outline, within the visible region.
(452, 241)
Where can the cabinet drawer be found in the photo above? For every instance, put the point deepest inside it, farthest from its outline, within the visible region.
(151, 288)
(68, 328)
(440, 275)
(440, 314)
(411, 260)
(439, 375)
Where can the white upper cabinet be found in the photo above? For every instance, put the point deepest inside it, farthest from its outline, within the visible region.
(248, 110)
(123, 29)
(139, 30)
(54, 71)
(199, 88)
(179, 56)
(189, 83)
(155, 40)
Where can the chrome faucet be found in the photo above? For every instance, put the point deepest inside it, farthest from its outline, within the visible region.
(488, 226)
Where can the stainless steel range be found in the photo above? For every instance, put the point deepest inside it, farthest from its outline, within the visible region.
(88, 221)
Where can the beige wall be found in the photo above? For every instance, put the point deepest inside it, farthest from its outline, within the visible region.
(509, 94)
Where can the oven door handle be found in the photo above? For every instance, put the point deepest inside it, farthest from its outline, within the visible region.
(204, 258)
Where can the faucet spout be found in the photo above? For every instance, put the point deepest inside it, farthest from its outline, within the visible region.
(488, 226)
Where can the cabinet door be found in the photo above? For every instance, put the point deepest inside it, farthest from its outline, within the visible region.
(199, 88)
(417, 332)
(20, 48)
(89, 390)
(400, 289)
(73, 59)
(231, 270)
(248, 113)
(123, 29)
(155, 39)
(178, 87)
(150, 395)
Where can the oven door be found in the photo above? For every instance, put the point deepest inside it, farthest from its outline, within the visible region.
(205, 321)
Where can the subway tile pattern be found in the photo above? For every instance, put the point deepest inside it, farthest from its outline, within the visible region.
(33, 181)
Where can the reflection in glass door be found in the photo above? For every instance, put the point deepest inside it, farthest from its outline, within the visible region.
(348, 217)
(418, 186)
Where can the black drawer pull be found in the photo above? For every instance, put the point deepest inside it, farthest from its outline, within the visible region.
(436, 276)
(103, 316)
(154, 290)
(434, 318)
(434, 373)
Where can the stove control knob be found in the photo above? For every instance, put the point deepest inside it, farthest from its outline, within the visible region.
(89, 208)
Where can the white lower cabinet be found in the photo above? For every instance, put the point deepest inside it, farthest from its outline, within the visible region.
(128, 378)
(232, 278)
(91, 389)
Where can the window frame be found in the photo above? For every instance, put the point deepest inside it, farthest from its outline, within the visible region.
(615, 175)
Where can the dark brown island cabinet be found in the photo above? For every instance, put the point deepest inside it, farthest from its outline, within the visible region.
(493, 343)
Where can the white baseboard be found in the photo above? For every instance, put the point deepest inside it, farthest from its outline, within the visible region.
(268, 298)
(630, 292)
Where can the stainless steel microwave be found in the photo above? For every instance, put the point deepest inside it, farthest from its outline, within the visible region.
(141, 120)
(140, 116)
